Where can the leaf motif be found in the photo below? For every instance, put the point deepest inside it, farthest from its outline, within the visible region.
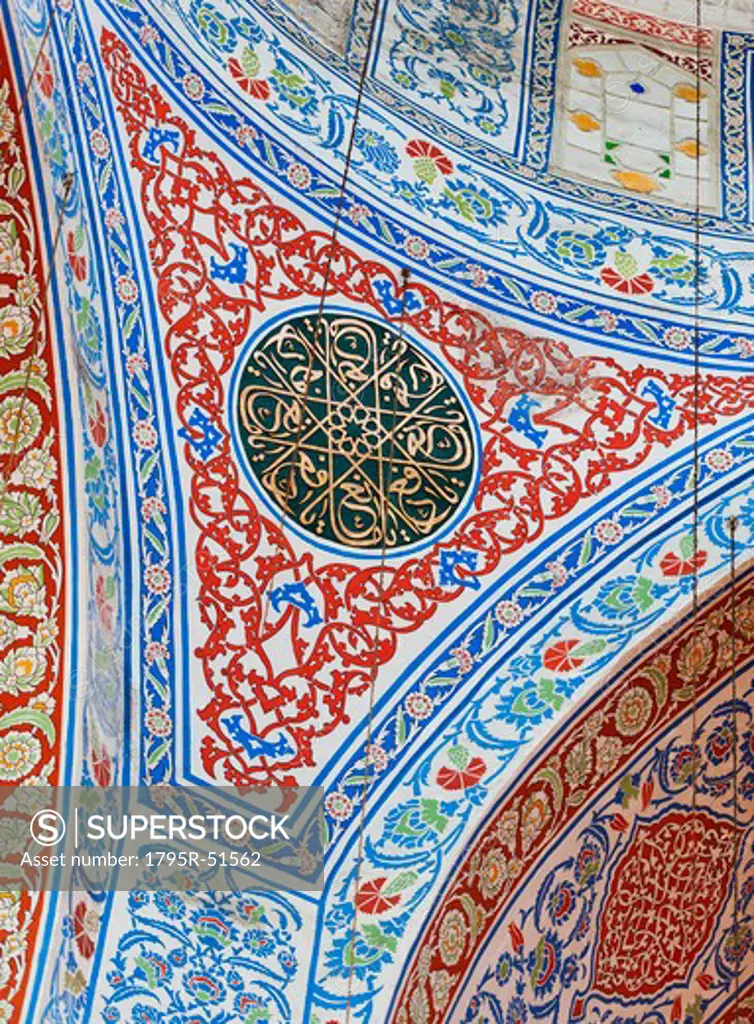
(589, 647)
(156, 754)
(25, 716)
(546, 691)
(642, 594)
(105, 177)
(552, 777)
(577, 798)
(403, 880)
(430, 815)
(357, 780)
(475, 918)
(12, 381)
(426, 170)
(459, 756)
(539, 956)
(488, 639)
(660, 683)
(130, 323)
(674, 262)
(149, 971)
(400, 728)
(250, 62)
(25, 551)
(377, 938)
(687, 546)
(625, 264)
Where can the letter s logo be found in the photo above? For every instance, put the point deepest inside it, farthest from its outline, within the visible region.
(47, 828)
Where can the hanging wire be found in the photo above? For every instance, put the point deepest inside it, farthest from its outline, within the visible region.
(38, 340)
(319, 325)
(374, 673)
(696, 404)
(665, 632)
(732, 525)
(30, 78)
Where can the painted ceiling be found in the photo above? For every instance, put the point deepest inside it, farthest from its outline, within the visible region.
(376, 395)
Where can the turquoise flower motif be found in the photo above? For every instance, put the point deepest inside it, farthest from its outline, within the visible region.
(215, 27)
(576, 249)
(293, 90)
(377, 150)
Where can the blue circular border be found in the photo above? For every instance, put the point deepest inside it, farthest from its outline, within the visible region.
(375, 556)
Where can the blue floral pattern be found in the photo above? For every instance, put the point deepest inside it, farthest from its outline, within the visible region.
(199, 957)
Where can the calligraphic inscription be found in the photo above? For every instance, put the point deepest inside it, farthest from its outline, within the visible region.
(353, 433)
(662, 903)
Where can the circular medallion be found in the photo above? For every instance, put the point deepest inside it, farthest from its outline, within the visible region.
(354, 434)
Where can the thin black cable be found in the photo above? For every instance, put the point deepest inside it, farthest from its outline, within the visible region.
(732, 525)
(696, 404)
(375, 665)
(323, 297)
(27, 84)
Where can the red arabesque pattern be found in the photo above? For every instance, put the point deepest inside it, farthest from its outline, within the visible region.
(594, 419)
(32, 544)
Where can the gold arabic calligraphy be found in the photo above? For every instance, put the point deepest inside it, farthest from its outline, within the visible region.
(354, 434)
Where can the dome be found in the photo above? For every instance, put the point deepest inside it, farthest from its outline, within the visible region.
(375, 423)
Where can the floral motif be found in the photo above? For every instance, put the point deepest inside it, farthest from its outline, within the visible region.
(127, 289)
(377, 896)
(457, 62)
(453, 932)
(429, 160)
(493, 873)
(157, 579)
(535, 814)
(145, 435)
(695, 658)
(11, 262)
(547, 694)
(544, 302)
(465, 773)
(299, 176)
(719, 459)
(608, 531)
(338, 806)
(22, 670)
(633, 711)
(624, 276)
(419, 706)
(213, 941)
(193, 86)
(20, 423)
(246, 72)
(508, 613)
(99, 143)
(31, 582)
(85, 926)
(608, 753)
(652, 692)
(20, 753)
(678, 338)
